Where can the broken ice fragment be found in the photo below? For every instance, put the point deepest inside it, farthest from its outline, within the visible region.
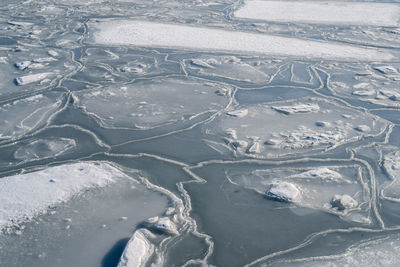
(342, 202)
(322, 124)
(138, 250)
(283, 191)
(297, 108)
(362, 128)
(254, 148)
(163, 225)
(240, 113)
(24, 80)
(22, 65)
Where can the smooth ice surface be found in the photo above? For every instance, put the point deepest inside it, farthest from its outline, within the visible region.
(147, 104)
(44, 148)
(322, 12)
(162, 35)
(137, 251)
(302, 130)
(391, 164)
(25, 196)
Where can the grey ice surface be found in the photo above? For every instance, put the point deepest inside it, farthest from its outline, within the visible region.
(200, 133)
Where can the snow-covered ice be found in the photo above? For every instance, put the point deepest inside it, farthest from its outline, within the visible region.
(24, 196)
(147, 104)
(322, 12)
(32, 78)
(283, 191)
(138, 250)
(162, 35)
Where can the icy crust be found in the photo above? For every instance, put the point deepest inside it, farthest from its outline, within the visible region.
(138, 250)
(322, 12)
(44, 148)
(146, 104)
(284, 128)
(337, 190)
(24, 196)
(378, 252)
(391, 163)
(24, 115)
(376, 83)
(162, 35)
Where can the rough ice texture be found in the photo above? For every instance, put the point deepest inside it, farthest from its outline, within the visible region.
(342, 202)
(392, 166)
(299, 108)
(31, 78)
(137, 251)
(322, 12)
(24, 196)
(164, 225)
(284, 191)
(162, 35)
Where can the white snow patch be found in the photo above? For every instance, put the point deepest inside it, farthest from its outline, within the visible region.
(240, 113)
(342, 202)
(162, 35)
(31, 78)
(322, 12)
(284, 191)
(24, 196)
(297, 108)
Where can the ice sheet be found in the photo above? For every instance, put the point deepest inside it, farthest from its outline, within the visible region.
(25, 196)
(153, 34)
(322, 12)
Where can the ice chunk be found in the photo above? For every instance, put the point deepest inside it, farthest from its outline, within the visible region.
(364, 92)
(44, 148)
(284, 191)
(31, 78)
(201, 63)
(151, 103)
(362, 128)
(342, 202)
(322, 12)
(25, 196)
(391, 164)
(22, 65)
(138, 251)
(297, 108)
(240, 113)
(163, 35)
(322, 124)
(163, 225)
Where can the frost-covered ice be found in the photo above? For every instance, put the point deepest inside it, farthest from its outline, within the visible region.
(24, 115)
(337, 190)
(24, 196)
(147, 104)
(163, 225)
(301, 131)
(44, 148)
(138, 250)
(31, 78)
(377, 252)
(322, 12)
(162, 35)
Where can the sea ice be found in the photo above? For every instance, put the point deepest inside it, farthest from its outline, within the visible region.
(284, 191)
(257, 130)
(162, 35)
(24, 196)
(31, 78)
(342, 202)
(44, 148)
(145, 104)
(163, 225)
(138, 250)
(391, 164)
(322, 12)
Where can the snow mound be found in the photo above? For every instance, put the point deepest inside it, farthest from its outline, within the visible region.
(138, 250)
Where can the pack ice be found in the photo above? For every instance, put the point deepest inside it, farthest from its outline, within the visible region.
(44, 148)
(322, 12)
(24, 196)
(311, 124)
(24, 115)
(137, 251)
(146, 104)
(337, 189)
(175, 36)
(391, 163)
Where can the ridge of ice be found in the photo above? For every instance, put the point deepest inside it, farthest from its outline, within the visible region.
(31, 78)
(342, 202)
(322, 173)
(298, 108)
(283, 191)
(163, 35)
(24, 196)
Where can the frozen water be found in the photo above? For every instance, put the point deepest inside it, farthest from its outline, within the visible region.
(152, 34)
(322, 12)
(301, 132)
(25, 196)
(146, 104)
(283, 191)
(44, 148)
(137, 251)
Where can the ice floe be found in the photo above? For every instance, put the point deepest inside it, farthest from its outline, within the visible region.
(258, 130)
(162, 224)
(147, 104)
(162, 35)
(24, 196)
(322, 12)
(138, 250)
(391, 164)
(337, 190)
(44, 148)
(32, 78)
